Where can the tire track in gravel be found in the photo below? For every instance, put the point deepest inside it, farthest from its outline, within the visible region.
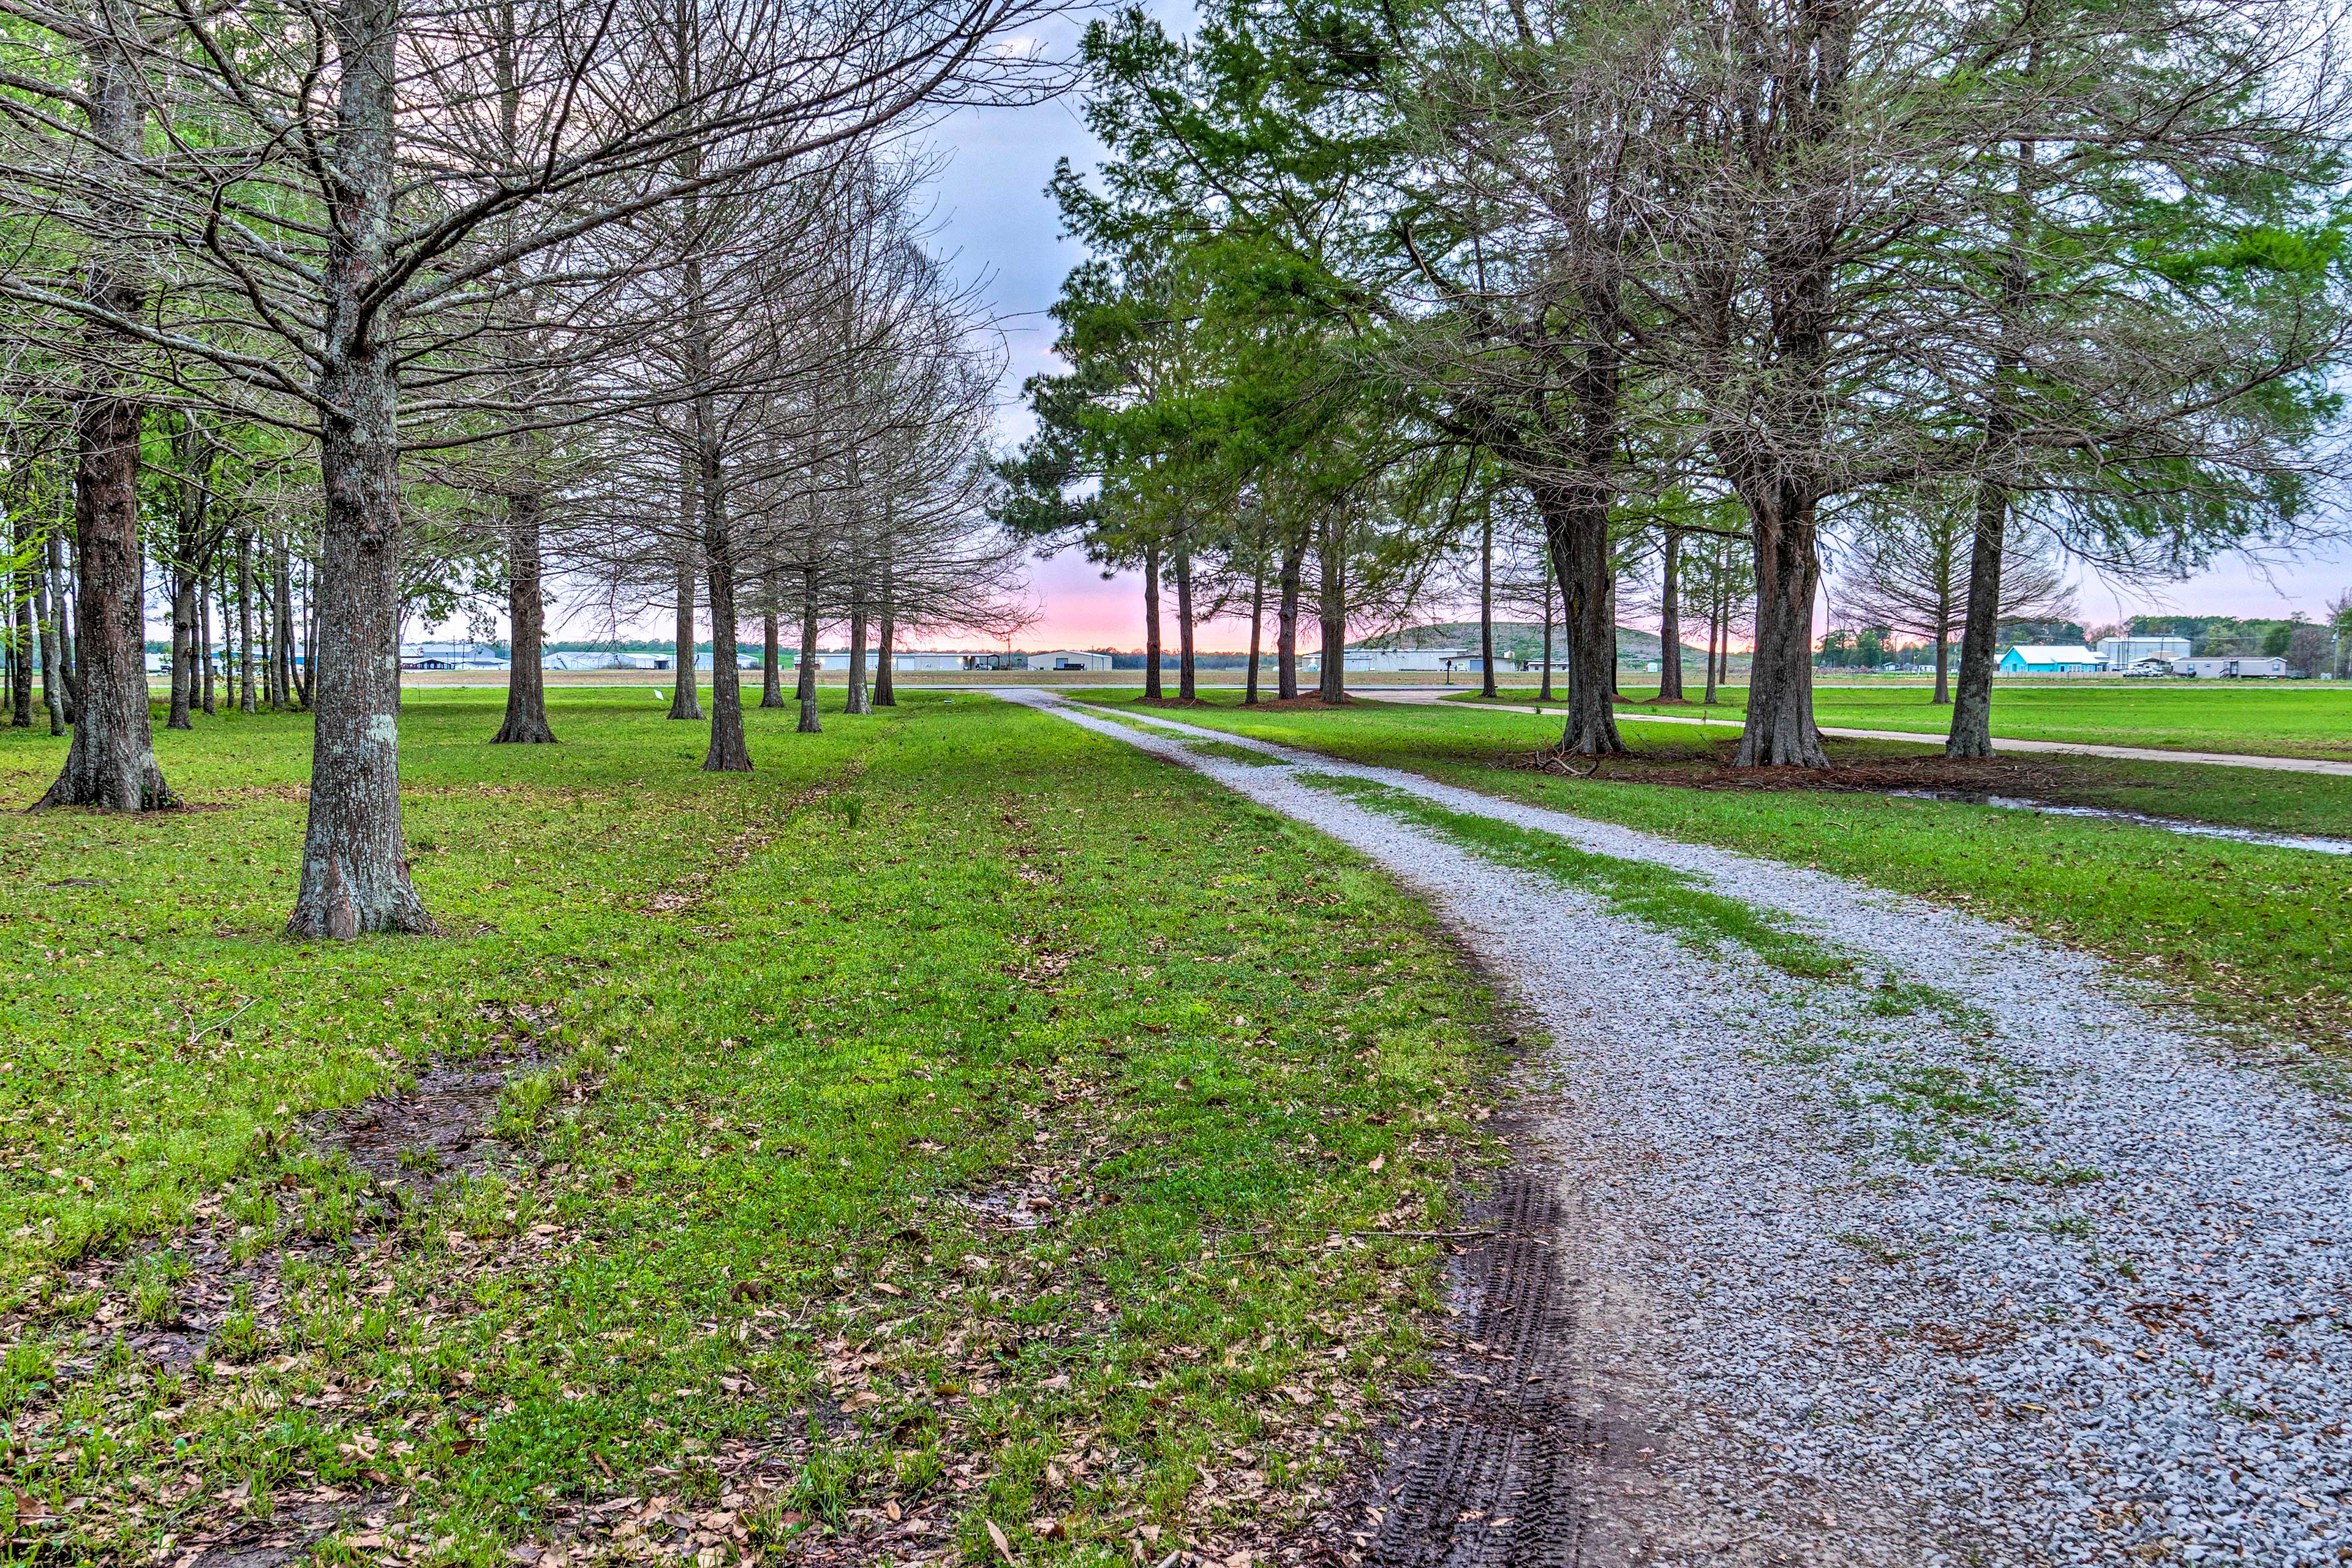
(2018, 1273)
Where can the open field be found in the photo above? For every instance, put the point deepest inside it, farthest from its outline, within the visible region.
(2251, 935)
(970, 1126)
(2302, 719)
(961, 1123)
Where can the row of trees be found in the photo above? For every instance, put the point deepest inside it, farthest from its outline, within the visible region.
(511, 267)
(1962, 292)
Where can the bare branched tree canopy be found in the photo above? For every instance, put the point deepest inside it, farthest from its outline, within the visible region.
(362, 220)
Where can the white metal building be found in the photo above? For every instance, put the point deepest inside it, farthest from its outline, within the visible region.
(838, 659)
(2122, 653)
(600, 658)
(1074, 659)
(450, 654)
(1395, 660)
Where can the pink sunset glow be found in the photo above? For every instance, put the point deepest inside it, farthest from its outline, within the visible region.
(1078, 609)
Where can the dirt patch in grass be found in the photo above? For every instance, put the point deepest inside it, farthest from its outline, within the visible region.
(441, 1127)
(435, 1130)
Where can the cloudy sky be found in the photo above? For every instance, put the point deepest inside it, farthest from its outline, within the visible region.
(992, 214)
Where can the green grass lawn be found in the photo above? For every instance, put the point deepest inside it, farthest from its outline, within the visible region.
(2297, 720)
(962, 1121)
(2250, 936)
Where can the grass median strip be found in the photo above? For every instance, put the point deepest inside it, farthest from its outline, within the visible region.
(1232, 753)
(1655, 895)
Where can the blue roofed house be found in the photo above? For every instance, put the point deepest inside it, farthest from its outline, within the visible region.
(2050, 659)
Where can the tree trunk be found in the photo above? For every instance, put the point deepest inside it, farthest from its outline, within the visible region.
(771, 647)
(1331, 611)
(61, 623)
(264, 630)
(1187, 683)
(1780, 731)
(1670, 620)
(26, 585)
(1151, 691)
(245, 703)
(204, 636)
(281, 578)
(306, 667)
(1714, 636)
(886, 693)
(1257, 629)
(183, 647)
(1943, 696)
(728, 752)
(1609, 613)
(1576, 536)
(1286, 623)
(265, 591)
(355, 857)
(854, 700)
(227, 630)
(53, 680)
(1971, 734)
(20, 690)
(112, 762)
(1544, 694)
(526, 720)
(810, 724)
(1487, 687)
(686, 703)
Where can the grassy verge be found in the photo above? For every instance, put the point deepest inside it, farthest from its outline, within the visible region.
(962, 1123)
(2297, 720)
(2249, 935)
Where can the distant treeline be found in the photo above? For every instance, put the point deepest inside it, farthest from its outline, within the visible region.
(2222, 636)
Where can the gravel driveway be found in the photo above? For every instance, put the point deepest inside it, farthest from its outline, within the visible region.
(1950, 1252)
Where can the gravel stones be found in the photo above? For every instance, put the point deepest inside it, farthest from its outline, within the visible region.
(2018, 1273)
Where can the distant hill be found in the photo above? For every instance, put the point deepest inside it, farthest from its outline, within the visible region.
(1514, 637)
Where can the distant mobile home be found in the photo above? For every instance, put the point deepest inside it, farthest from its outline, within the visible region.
(2232, 667)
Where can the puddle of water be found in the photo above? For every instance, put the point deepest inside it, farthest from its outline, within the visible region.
(2139, 819)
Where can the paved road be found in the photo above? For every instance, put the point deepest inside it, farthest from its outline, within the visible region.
(2078, 748)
